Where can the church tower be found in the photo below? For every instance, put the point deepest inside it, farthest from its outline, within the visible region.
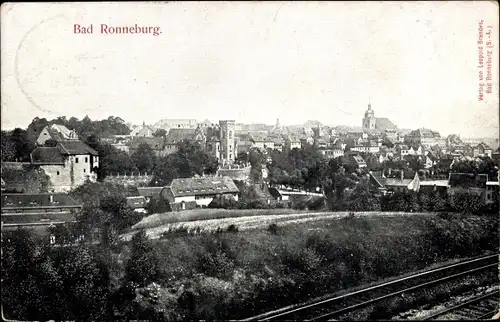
(369, 119)
(227, 138)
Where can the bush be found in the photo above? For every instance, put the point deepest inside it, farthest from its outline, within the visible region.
(316, 203)
(232, 228)
(273, 229)
(215, 264)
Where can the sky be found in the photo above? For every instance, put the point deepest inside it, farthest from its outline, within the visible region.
(254, 62)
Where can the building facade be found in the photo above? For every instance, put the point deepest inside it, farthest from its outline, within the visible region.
(198, 191)
(227, 138)
(68, 164)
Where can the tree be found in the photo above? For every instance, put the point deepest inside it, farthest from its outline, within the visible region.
(164, 172)
(122, 216)
(144, 158)
(143, 266)
(8, 147)
(23, 146)
(160, 133)
(86, 281)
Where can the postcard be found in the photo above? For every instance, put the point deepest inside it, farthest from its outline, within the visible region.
(250, 160)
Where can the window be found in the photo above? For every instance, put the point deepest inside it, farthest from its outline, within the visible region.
(57, 172)
(489, 197)
(84, 170)
(76, 160)
(86, 160)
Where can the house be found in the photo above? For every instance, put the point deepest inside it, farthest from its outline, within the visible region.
(68, 164)
(143, 131)
(279, 143)
(243, 146)
(482, 150)
(157, 145)
(435, 186)
(121, 147)
(305, 141)
(382, 183)
(491, 192)
(425, 137)
(331, 153)
(320, 143)
(467, 183)
(262, 142)
(137, 204)
(292, 142)
(284, 194)
(37, 211)
(55, 132)
(168, 124)
(357, 161)
(468, 150)
(189, 193)
(403, 150)
(149, 192)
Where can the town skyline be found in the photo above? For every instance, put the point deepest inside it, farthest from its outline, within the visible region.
(292, 61)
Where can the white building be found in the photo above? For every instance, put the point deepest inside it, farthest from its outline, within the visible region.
(187, 191)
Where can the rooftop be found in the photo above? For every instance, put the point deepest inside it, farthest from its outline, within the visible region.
(75, 147)
(37, 201)
(202, 186)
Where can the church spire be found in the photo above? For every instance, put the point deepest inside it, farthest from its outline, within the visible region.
(277, 123)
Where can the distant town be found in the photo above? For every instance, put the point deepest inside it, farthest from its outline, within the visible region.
(93, 186)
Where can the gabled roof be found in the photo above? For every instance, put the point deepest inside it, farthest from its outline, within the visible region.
(383, 123)
(61, 129)
(202, 186)
(141, 128)
(425, 133)
(149, 191)
(178, 135)
(154, 143)
(358, 159)
(260, 138)
(47, 155)
(483, 146)
(37, 201)
(75, 147)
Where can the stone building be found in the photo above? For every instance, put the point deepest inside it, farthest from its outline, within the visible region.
(68, 164)
(227, 139)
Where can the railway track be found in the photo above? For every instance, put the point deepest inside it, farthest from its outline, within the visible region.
(336, 306)
(478, 308)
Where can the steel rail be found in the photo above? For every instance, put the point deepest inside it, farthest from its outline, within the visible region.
(371, 301)
(302, 307)
(465, 305)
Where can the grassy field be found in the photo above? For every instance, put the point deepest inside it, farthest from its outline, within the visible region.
(242, 273)
(209, 220)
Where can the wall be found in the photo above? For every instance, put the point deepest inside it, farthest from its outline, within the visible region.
(60, 182)
(129, 180)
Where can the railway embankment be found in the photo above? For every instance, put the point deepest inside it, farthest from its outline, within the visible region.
(236, 274)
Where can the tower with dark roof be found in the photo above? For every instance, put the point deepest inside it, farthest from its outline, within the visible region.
(369, 120)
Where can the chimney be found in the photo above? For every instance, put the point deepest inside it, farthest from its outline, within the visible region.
(51, 198)
(402, 175)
